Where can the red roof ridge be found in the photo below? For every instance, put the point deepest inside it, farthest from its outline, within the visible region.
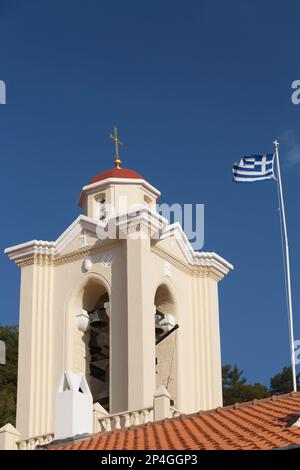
(116, 173)
(237, 405)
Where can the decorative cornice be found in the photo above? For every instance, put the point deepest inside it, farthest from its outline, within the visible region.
(196, 258)
(32, 250)
(192, 269)
(80, 224)
(75, 255)
(120, 181)
(212, 261)
(172, 259)
(38, 260)
(142, 219)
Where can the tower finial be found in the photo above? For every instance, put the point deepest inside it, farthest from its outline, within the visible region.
(117, 142)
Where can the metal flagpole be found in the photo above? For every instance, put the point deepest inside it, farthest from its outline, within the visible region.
(287, 267)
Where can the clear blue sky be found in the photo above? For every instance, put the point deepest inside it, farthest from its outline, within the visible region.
(192, 86)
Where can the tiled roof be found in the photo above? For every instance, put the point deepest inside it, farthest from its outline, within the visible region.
(261, 424)
(116, 173)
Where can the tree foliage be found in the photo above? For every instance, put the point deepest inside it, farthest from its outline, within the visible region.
(232, 376)
(8, 375)
(236, 389)
(283, 381)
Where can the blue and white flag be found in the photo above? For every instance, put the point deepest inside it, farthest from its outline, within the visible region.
(254, 168)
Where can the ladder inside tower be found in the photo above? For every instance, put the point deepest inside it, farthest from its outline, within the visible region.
(99, 356)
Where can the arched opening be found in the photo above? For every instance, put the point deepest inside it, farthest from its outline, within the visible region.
(165, 339)
(97, 340)
(101, 206)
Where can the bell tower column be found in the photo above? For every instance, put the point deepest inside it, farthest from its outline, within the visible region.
(34, 395)
(140, 317)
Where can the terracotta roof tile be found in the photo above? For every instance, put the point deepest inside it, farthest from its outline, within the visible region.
(116, 173)
(256, 425)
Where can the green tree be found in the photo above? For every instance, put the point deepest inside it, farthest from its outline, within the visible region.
(236, 389)
(8, 375)
(283, 382)
(232, 376)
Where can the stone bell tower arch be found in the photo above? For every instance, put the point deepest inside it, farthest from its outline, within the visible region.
(87, 334)
(166, 326)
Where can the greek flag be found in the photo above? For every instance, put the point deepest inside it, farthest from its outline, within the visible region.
(254, 168)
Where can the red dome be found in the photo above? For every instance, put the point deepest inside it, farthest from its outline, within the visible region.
(116, 173)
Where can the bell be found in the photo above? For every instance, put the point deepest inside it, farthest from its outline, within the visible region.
(159, 329)
(98, 318)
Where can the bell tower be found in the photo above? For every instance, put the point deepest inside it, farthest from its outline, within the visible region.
(122, 298)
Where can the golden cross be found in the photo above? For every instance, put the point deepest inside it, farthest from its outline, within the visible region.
(117, 142)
